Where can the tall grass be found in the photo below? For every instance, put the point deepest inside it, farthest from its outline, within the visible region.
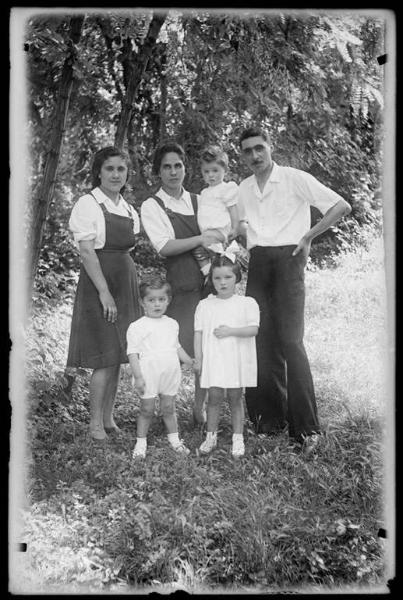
(276, 520)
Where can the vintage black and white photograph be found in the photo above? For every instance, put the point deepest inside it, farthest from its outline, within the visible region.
(223, 178)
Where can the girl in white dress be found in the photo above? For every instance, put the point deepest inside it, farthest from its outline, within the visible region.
(154, 354)
(225, 352)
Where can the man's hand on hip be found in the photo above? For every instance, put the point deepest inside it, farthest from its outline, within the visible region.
(303, 246)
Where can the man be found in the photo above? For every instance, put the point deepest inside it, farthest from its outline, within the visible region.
(274, 206)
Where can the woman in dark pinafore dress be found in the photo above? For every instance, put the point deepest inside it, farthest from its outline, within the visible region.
(107, 299)
(169, 218)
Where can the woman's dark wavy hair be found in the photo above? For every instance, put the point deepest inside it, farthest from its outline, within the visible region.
(163, 149)
(223, 261)
(101, 156)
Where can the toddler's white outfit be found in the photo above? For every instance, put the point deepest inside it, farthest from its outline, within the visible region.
(213, 204)
(156, 342)
(228, 362)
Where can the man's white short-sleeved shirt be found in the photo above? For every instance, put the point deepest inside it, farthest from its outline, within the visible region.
(87, 221)
(280, 215)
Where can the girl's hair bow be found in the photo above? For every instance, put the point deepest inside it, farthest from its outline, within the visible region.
(230, 252)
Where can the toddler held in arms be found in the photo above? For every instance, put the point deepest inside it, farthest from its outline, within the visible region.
(154, 355)
(217, 207)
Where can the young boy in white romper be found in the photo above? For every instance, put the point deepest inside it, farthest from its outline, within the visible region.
(154, 355)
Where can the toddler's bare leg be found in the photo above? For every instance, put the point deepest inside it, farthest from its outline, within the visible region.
(237, 409)
(168, 412)
(147, 407)
(215, 399)
(199, 410)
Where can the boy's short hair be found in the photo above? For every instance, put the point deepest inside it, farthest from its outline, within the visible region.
(220, 260)
(254, 132)
(154, 282)
(213, 153)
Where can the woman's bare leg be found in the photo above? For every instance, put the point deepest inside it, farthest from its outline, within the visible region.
(99, 383)
(109, 399)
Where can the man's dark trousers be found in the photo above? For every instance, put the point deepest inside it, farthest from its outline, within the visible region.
(284, 391)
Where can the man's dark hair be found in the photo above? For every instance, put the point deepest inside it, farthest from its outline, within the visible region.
(254, 132)
(165, 149)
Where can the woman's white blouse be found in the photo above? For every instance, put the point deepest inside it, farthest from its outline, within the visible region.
(156, 222)
(87, 221)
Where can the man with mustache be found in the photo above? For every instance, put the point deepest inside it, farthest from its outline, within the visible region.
(274, 205)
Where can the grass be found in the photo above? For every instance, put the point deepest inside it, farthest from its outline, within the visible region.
(276, 520)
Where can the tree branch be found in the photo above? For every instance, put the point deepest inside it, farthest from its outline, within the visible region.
(136, 76)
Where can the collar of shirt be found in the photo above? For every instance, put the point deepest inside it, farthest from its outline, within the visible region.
(274, 178)
(171, 202)
(101, 197)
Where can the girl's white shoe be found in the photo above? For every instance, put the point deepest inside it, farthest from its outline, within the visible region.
(181, 449)
(238, 447)
(209, 444)
(139, 451)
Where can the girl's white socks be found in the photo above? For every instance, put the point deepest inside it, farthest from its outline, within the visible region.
(173, 439)
(140, 447)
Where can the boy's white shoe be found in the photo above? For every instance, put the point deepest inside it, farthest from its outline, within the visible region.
(209, 443)
(238, 447)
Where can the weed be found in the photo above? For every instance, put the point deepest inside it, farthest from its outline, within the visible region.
(275, 520)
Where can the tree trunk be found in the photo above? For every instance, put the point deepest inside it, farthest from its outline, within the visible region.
(58, 120)
(137, 72)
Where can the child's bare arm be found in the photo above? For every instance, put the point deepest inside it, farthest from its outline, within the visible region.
(225, 331)
(139, 382)
(234, 215)
(198, 351)
(184, 356)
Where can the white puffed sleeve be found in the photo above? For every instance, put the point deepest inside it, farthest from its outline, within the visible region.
(175, 328)
(252, 312)
(198, 323)
(85, 219)
(156, 224)
(134, 337)
(230, 193)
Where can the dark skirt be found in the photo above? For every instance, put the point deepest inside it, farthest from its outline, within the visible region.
(182, 308)
(94, 342)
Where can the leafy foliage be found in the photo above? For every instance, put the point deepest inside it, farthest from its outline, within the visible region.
(311, 79)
